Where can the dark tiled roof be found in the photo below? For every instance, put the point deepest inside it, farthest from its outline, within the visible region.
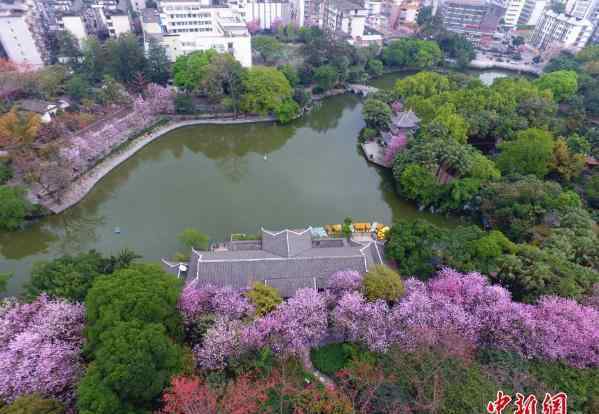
(288, 260)
(406, 120)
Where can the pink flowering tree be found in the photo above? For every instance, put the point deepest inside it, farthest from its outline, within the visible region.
(253, 26)
(398, 143)
(160, 99)
(225, 340)
(276, 23)
(40, 346)
(396, 106)
(360, 321)
(224, 302)
(344, 281)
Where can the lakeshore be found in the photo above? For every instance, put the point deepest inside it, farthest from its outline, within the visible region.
(86, 182)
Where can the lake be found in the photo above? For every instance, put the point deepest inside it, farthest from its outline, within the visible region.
(222, 180)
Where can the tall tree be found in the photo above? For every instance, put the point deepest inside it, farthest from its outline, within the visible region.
(125, 58)
(529, 153)
(158, 67)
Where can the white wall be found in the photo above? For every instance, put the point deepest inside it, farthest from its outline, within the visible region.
(185, 43)
(120, 25)
(18, 41)
(267, 13)
(75, 25)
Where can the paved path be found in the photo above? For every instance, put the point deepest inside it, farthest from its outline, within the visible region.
(83, 185)
(375, 153)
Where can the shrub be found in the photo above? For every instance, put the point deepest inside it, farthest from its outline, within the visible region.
(5, 172)
(193, 238)
(33, 404)
(265, 298)
(13, 207)
(330, 359)
(382, 282)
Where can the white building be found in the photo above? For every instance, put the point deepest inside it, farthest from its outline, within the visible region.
(348, 19)
(513, 11)
(73, 24)
(581, 9)
(266, 12)
(559, 30)
(137, 5)
(532, 12)
(184, 26)
(115, 22)
(22, 34)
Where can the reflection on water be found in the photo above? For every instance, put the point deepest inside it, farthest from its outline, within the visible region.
(220, 179)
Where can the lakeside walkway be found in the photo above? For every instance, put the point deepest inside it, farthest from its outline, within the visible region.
(84, 184)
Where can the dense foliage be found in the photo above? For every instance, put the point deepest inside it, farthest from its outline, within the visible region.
(70, 277)
(40, 346)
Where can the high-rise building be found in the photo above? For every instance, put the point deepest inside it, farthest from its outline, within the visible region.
(532, 12)
(186, 26)
(513, 11)
(23, 33)
(473, 18)
(561, 31)
(581, 9)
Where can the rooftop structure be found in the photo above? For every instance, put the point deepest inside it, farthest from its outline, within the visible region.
(473, 18)
(23, 32)
(186, 26)
(561, 31)
(287, 260)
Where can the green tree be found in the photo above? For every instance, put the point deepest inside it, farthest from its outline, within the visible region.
(578, 144)
(70, 277)
(78, 88)
(68, 47)
(326, 77)
(266, 89)
(287, 111)
(412, 53)
(269, 48)
(419, 184)
(291, 74)
(94, 59)
(562, 83)
(4, 278)
(264, 297)
(13, 207)
(141, 292)
(423, 85)
(223, 79)
(158, 67)
(33, 404)
(374, 67)
(125, 58)
(458, 47)
(567, 164)
(376, 114)
(193, 238)
(5, 172)
(134, 363)
(413, 246)
(529, 153)
(51, 80)
(454, 123)
(382, 282)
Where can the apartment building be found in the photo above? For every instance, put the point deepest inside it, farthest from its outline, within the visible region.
(115, 22)
(184, 26)
(581, 9)
(473, 18)
(266, 12)
(74, 24)
(513, 11)
(23, 33)
(561, 31)
(532, 12)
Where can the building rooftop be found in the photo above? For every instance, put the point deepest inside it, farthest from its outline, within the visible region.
(287, 260)
(35, 105)
(406, 120)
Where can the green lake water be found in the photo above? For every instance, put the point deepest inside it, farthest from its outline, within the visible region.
(221, 180)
